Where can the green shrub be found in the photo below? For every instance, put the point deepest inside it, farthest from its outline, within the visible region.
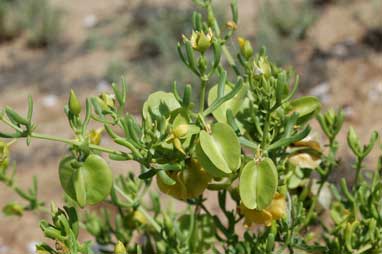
(10, 25)
(247, 140)
(42, 22)
(280, 24)
(115, 70)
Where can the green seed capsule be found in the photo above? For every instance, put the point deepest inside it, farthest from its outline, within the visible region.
(88, 182)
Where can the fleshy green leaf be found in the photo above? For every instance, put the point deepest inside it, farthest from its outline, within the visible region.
(258, 183)
(155, 100)
(307, 107)
(234, 104)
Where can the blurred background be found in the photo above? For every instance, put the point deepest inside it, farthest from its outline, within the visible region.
(50, 46)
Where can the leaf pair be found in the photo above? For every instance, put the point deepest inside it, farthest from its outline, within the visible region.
(219, 152)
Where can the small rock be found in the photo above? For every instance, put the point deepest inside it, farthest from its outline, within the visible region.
(31, 247)
(4, 249)
(49, 100)
(90, 21)
(375, 93)
(103, 86)
(322, 92)
(102, 248)
(348, 111)
(340, 50)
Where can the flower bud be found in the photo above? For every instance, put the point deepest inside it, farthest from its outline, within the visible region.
(245, 47)
(262, 66)
(181, 130)
(231, 25)
(95, 136)
(120, 248)
(13, 209)
(108, 99)
(74, 103)
(53, 208)
(4, 156)
(138, 216)
(201, 41)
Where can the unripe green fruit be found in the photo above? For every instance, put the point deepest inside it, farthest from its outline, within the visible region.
(74, 103)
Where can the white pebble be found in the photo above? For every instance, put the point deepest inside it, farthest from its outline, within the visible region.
(49, 100)
(31, 247)
(3, 249)
(103, 86)
(90, 21)
(322, 92)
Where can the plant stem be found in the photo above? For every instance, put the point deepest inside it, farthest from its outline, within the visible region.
(228, 56)
(76, 143)
(156, 226)
(357, 173)
(203, 87)
(266, 129)
(10, 124)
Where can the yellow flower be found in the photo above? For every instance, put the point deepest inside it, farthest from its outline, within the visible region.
(190, 182)
(139, 217)
(275, 211)
(95, 136)
(231, 25)
(201, 41)
(245, 47)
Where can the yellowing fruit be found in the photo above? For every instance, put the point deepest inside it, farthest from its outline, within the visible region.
(190, 182)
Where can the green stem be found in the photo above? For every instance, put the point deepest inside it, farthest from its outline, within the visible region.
(265, 131)
(203, 87)
(228, 56)
(324, 178)
(76, 143)
(357, 173)
(156, 226)
(10, 124)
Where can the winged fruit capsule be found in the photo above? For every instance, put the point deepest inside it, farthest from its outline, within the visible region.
(87, 182)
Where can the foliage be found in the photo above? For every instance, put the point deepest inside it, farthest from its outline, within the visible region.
(249, 143)
(9, 24)
(115, 70)
(37, 19)
(281, 24)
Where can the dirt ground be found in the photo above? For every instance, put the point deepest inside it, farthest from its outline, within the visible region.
(335, 60)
